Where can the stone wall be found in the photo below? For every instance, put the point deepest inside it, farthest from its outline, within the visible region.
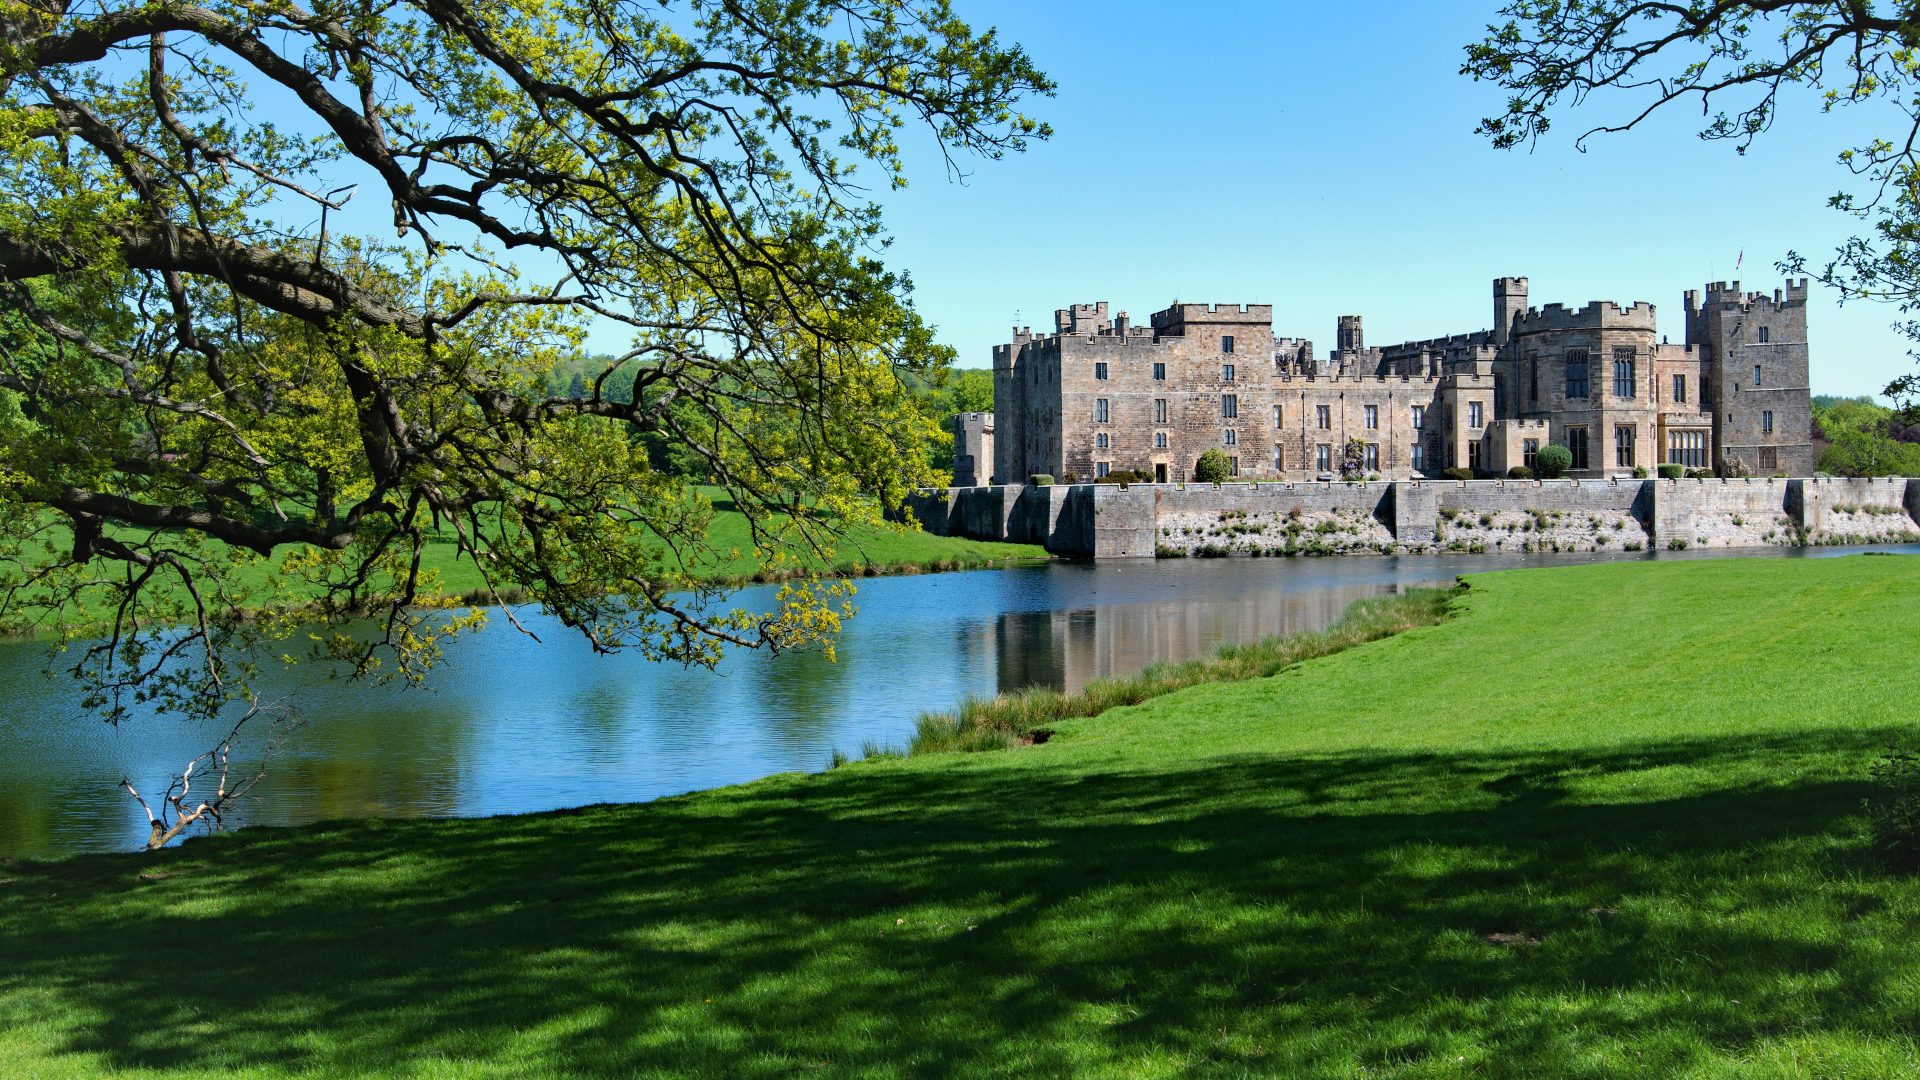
(1142, 520)
(1715, 513)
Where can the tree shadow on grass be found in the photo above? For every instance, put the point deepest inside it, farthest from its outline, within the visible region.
(1262, 913)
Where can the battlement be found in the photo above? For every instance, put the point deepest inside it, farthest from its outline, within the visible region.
(1596, 315)
(1338, 380)
(1082, 319)
(1727, 294)
(1176, 318)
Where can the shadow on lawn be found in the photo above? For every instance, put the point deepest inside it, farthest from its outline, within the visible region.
(1325, 912)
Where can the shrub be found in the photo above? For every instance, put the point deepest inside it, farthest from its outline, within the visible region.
(1069, 478)
(1699, 474)
(1893, 811)
(1671, 472)
(1457, 473)
(1041, 479)
(1552, 460)
(1519, 472)
(1213, 467)
(1639, 472)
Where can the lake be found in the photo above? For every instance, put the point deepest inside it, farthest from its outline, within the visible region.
(508, 725)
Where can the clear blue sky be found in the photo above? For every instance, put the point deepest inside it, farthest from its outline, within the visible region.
(1321, 157)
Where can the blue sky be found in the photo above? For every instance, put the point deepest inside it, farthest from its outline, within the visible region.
(1321, 157)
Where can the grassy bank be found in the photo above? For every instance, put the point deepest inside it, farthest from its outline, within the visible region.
(863, 551)
(1604, 822)
(1026, 717)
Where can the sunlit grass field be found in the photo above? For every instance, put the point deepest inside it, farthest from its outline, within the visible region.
(1605, 821)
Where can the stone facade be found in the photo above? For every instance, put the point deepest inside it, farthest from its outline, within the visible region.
(972, 449)
(1100, 393)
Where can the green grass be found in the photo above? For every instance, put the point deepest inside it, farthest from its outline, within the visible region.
(1605, 822)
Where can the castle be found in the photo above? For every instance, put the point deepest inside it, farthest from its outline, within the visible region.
(1101, 394)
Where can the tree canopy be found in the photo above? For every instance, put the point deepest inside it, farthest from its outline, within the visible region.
(1733, 61)
(218, 395)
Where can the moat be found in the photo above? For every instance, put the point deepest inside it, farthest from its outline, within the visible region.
(511, 726)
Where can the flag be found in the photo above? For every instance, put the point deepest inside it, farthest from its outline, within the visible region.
(1738, 261)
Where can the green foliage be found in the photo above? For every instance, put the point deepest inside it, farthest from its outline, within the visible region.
(1457, 472)
(1519, 472)
(1041, 479)
(217, 399)
(1862, 439)
(1552, 461)
(1670, 471)
(1893, 811)
(1640, 472)
(1213, 467)
(948, 391)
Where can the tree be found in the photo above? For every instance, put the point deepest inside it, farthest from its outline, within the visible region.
(1353, 457)
(1552, 461)
(1862, 440)
(1213, 467)
(225, 414)
(1733, 61)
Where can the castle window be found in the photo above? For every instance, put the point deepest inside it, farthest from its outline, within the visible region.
(1159, 410)
(1529, 450)
(1687, 449)
(1769, 458)
(1764, 334)
(1323, 457)
(1279, 460)
(1233, 466)
(1577, 444)
(1373, 416)
(1231, 437)
(1419, 417)
(1159, 373)
(1100, 370)
(1100, 468)
(1473, 455)
(1159, 440)
(1756, 374)
(1226, 372)
(1624, 384)
(1226, 344)
(1419, 457)
(1623, 446)
(1100, 441)
(1576, 373)
(1766, 422)
(1099, 410)
(1276, 417)
(1473, 414)
(1680, 389)
(1229, 406)
(1373, 457)
(1324, 414)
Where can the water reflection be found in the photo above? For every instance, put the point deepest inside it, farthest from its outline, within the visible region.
(512, 726)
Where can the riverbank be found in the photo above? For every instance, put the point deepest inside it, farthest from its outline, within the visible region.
(1605, 820)
(863, 551)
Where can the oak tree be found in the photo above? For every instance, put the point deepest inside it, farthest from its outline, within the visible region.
(286, 285)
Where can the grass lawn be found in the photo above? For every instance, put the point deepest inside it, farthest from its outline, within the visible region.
(1606, 822)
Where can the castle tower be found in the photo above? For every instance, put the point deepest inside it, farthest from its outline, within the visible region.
(1761, 400)
(1509, 301)
(1349, 337)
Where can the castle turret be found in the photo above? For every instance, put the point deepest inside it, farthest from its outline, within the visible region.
(1349, 337)
(1509, 301)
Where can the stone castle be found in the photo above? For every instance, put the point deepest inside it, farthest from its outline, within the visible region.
(1101, 394)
